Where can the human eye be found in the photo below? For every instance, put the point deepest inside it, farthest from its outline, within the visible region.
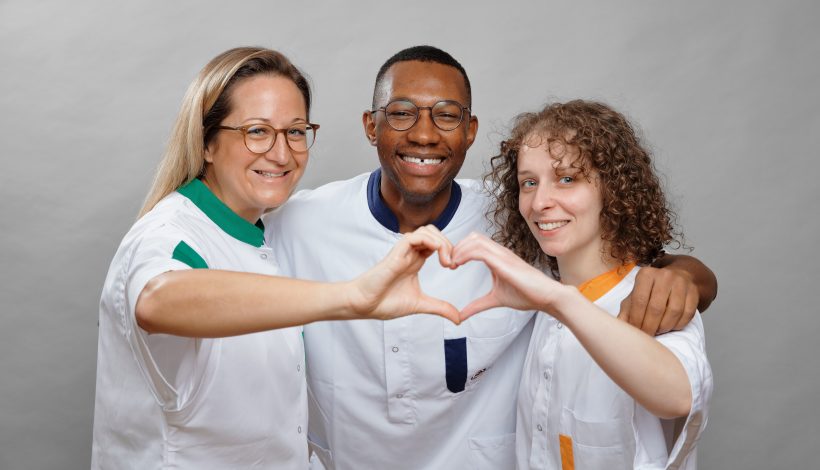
(400, 113)
(258, 132)
(445, 116)
(447, 110)
(400, 110)
(526, 184)
(297, 132)
(566, 179)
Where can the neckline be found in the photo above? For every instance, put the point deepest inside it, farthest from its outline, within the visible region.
(386, 217)
(595, 288)
(222, 215)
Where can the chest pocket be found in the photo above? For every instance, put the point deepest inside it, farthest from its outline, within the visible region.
(606, 444)
(467, 359)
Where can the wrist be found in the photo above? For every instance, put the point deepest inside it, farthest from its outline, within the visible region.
(562, 301)
(353, 304)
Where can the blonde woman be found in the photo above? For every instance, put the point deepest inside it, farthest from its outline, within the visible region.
(200, 361)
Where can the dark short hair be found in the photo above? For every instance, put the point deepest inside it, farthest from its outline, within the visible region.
(422, 54)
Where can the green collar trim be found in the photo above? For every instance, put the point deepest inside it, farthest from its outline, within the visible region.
(222, 215)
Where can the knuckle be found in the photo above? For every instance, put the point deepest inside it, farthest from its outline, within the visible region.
(654, 311)
(641, 299)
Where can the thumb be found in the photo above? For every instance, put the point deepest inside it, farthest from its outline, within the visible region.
(439, 307)
(479, 305)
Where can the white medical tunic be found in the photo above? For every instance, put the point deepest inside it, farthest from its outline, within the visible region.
(566, 400)
(416, 392)
(167, 402)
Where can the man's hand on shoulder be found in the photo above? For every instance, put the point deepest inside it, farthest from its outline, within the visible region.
(665, 297)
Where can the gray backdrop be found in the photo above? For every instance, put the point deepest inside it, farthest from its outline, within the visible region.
(726, 93)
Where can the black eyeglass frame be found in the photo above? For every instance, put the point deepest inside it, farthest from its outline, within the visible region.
(244, 131)
(418, 114)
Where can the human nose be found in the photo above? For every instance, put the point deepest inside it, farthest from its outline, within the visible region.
(544, 198)
(280, 152)
(424, 131)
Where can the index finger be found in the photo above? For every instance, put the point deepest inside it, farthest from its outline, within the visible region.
(429, 237)
(638, 303)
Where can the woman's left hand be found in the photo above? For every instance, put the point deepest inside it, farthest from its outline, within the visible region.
(516, 284)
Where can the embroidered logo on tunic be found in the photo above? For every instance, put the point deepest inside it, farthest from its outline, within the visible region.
(478, 374)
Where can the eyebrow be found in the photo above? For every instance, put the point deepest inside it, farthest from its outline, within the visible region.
(567, 169)
(268, 121)
(404, 98)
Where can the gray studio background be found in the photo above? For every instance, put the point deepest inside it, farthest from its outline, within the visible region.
(726, 93)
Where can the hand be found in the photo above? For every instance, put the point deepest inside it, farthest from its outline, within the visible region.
(661, 301)
(391, 288)
(516, 284)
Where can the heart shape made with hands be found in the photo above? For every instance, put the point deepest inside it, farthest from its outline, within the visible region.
(516, 284)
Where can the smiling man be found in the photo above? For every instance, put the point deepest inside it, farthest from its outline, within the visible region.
(419, 157)
(420, 392)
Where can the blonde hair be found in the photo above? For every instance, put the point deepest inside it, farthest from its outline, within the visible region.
(205, 105)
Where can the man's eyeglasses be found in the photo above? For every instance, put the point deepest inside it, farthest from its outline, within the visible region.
(403, 114)
(259, 138)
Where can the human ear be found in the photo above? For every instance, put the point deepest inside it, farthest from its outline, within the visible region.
(369, 127)
(209, 158)
(472, 130)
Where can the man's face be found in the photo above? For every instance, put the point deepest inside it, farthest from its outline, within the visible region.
(421, 162)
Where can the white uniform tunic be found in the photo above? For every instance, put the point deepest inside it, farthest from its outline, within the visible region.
(171, 402)
(415, 392)
(564, 393)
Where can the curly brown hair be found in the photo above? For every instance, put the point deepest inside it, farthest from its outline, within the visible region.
(635, 220)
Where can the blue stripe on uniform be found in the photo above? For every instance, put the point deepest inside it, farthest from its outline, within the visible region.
(388, 219)
(455, 363)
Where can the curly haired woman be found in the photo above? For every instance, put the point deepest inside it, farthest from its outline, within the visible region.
(576, 193)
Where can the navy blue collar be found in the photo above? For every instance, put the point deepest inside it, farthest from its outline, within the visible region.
(388, 219)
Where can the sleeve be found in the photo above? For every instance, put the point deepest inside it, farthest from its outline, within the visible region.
(277, 222)
(173, 366)
(682, 434)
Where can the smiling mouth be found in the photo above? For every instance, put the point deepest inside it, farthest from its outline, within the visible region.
(551, 225)
(422, 161)
(268, 174)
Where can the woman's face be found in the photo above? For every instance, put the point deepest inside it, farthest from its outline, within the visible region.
(247, 182)
(561, 207)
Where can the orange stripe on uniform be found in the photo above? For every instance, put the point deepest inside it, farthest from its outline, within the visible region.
(567, 460)
(596, 287)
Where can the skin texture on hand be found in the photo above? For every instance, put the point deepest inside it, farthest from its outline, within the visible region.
(665, 298)
(516, 284)
(392, 288)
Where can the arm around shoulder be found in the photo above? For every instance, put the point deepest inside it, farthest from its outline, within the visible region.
(698, 273)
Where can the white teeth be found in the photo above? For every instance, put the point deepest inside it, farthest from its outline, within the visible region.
(422, 161)
(551, 225)
(268, 174)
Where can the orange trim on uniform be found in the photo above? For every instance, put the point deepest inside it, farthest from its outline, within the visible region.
(596, 287)
(567, 459)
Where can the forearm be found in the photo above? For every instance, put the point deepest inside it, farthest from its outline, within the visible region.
(703, 277)
(213, 303)
(644, 368)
